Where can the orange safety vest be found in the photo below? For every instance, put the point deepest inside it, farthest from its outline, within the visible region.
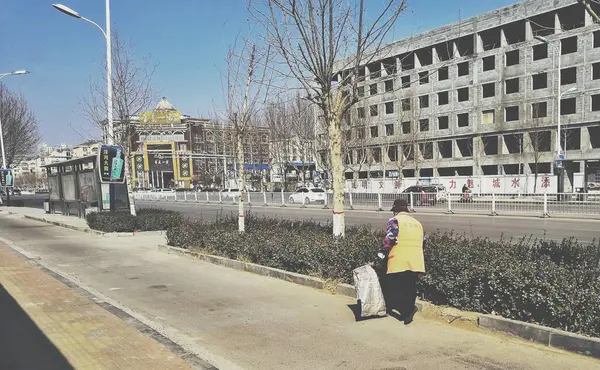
(407, 254)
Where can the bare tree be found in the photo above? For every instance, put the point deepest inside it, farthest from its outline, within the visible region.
(245, 85)
(313, 37)
(414, 148)
(19, 126)
(590, 10)
(539, 143)
(291, 124)
(132, 94)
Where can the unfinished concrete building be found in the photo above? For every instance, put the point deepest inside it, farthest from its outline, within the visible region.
(480, 97)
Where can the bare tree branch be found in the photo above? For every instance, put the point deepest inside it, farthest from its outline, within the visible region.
(19, 126)
(312, 38)
(132, 94)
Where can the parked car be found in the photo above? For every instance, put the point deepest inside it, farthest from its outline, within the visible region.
(422, 195)
(442, 193)
(230, 193)
(208, 190)
(308, 196)
(179, 190)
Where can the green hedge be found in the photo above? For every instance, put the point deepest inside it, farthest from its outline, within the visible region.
(544, 282)
(146, 220)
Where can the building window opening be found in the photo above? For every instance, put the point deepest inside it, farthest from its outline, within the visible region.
(490, 39)
(568, 76)
(443, 122)
(425, 56)
(512, 58)
(462, 119)
(512, 86)
(489, 90)
(463, 94)
(568, 106)
(444, 51)
(569, 45)
(489, 63)
(443, 98)
(443, 74)
(511, 114)
(407, 61)
(463, 69)
(514, 32)
(540, 81)
(540, 51)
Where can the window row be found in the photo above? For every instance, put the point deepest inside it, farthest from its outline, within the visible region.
(513, 57)
(511, 86)
(511, 114)
(538, 141)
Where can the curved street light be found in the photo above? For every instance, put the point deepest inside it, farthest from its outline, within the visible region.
(14, 73)
(109, 95)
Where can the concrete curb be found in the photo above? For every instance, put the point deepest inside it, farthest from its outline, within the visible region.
(554, 338)
(249, 267)
(62, 224)
(81, 229)
(543, 335)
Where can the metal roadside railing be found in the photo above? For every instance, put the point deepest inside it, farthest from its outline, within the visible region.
(541, 205)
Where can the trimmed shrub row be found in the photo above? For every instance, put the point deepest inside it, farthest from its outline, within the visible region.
(545, 282)
(147, 219)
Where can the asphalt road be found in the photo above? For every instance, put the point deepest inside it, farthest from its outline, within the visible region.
(493, 227)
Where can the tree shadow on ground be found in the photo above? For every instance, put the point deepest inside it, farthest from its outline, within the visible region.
(22, 344)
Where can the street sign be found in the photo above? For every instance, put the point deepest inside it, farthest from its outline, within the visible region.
(111, 160)
(558, 164)
(6, 178)
(561, 157)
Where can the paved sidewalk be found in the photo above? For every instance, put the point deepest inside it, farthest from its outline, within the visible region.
(81, 333)
(235, 319)
(72, 221)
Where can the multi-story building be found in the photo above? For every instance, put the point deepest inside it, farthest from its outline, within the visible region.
(29, 171)
(480, 97)
(293, 162)
(85, 149)
(170, 149)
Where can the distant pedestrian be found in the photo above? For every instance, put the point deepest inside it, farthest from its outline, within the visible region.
(403, 248)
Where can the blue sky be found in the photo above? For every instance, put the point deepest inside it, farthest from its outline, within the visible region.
(187, 39)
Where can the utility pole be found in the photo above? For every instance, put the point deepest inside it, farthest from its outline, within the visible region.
(591, 11)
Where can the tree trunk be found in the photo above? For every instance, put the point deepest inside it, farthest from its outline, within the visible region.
(337, 169)
(241, 182)
(128, 180)
(535, 178)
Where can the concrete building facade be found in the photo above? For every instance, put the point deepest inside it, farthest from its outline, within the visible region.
(480, 97)
(30, 173)
(174, 150)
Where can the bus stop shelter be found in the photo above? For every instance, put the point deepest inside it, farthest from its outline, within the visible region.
(75, 188)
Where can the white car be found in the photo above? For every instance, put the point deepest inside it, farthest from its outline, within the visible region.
(308, 196)
(230, 193)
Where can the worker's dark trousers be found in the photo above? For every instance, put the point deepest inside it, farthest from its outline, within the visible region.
(400, 291)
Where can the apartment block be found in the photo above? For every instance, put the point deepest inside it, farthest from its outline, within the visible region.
(480, 97)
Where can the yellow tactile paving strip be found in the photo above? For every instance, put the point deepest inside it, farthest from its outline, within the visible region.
(87, 335)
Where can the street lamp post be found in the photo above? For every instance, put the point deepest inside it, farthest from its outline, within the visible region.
(15, 73)
(107, 35)
(559, 95)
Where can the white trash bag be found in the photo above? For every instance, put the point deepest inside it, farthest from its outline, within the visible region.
(368, 291)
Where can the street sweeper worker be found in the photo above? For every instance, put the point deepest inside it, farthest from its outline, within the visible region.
(403, 248)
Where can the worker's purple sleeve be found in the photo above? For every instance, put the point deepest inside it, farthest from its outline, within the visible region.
(391, 238)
